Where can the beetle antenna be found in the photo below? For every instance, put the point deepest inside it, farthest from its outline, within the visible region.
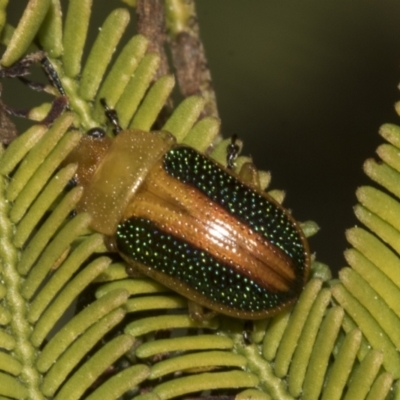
(52, 75)
(112, 116)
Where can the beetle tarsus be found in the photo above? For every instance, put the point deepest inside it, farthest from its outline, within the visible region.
(232, 152)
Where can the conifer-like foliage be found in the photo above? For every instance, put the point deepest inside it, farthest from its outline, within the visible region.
(73, 325)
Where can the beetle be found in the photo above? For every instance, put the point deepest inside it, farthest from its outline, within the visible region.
(188, 222)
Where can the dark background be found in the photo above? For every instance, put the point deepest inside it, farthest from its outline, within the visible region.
(306, 85)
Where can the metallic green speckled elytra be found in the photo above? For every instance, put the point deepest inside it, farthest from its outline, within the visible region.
(221, 266)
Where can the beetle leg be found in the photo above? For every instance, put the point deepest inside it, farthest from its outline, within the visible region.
(232, 152)
(133, 272)
(247, 329)
(112, 116)
(198, 313)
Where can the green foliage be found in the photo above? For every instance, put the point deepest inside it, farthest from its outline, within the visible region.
(74, 325)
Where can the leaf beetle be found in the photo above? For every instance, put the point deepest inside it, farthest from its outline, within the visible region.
(191, 224)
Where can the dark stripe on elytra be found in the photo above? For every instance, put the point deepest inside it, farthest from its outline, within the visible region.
(248, 206)
(142, 241)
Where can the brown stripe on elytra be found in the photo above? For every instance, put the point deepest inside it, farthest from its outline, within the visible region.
(252, 207)
(190, 216)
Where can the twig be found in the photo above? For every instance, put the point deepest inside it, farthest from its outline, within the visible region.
(188, 54)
